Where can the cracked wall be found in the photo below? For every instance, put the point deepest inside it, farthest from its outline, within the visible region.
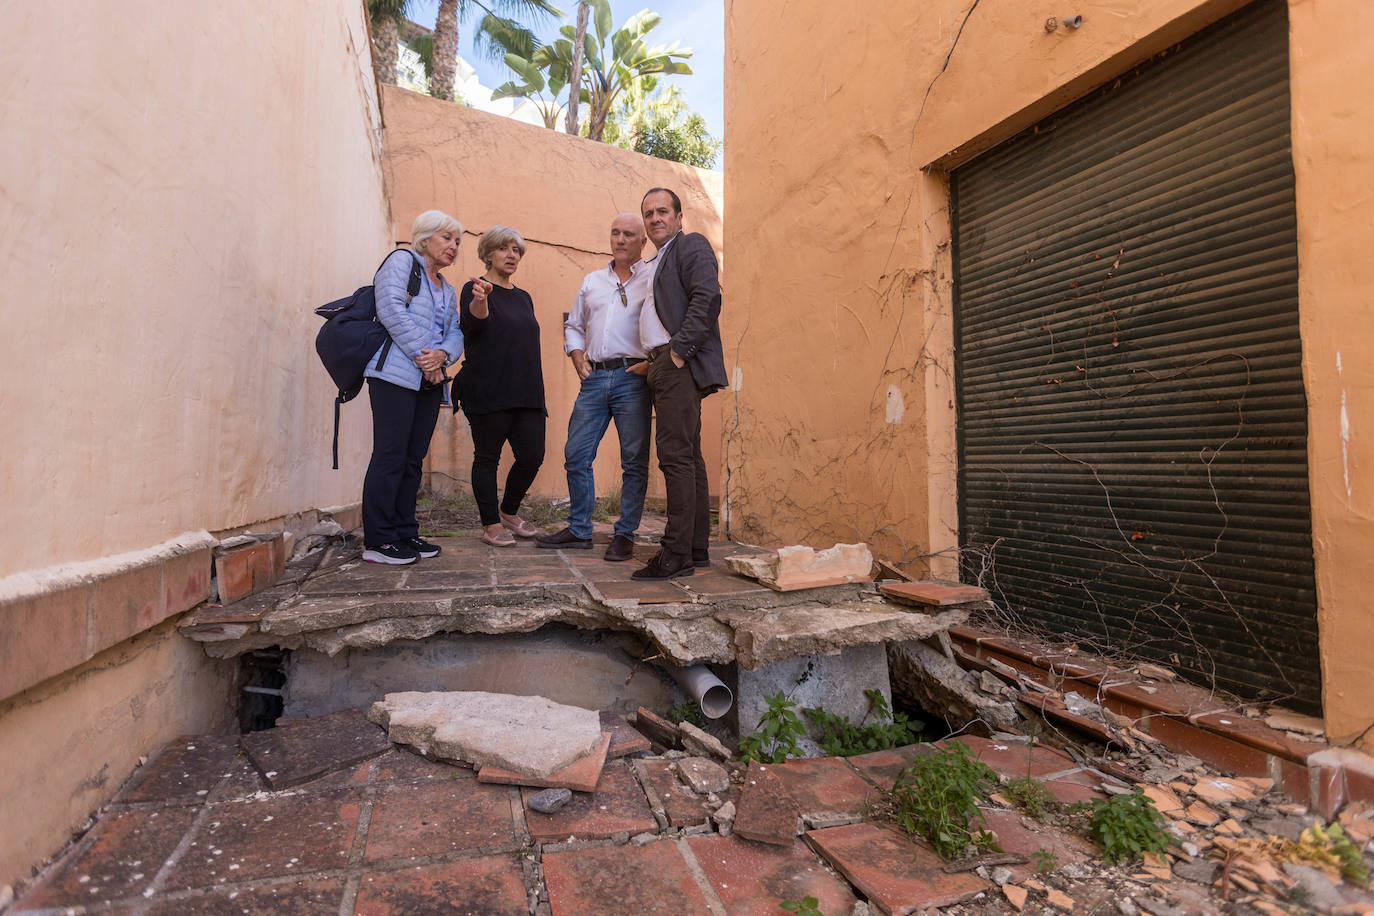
(561, 193)
(841, 424)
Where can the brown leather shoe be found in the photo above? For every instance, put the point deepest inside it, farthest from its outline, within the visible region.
(563, 540)
(622, 548)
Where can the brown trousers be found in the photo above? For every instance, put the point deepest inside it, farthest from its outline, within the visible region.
(677, 436)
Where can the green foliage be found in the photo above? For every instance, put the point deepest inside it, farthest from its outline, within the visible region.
(1127, 826)
(839, 737)
(807, 906)
(1031, 796)
(686, 711)
(1045, 861)
(1330, 846)
(776, 738)
(937, 798)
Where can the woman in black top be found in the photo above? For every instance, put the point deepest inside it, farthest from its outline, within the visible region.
(501, 386)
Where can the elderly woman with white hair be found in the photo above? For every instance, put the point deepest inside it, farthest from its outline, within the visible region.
(405, 383)
(501, 385)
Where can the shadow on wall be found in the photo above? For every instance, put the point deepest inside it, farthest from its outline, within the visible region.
(561, 193)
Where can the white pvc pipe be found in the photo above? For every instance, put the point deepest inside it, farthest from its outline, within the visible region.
(710, 694)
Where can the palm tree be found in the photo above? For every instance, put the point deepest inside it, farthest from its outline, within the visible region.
(452, 12)
(611, 70)
(386, 16)
(575, 78)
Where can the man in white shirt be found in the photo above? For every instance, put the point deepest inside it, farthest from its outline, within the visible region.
(601, 335)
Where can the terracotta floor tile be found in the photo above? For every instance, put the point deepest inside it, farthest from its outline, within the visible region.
(185, 769)
(1079, 786)
(625, 739)
(1015, 837)
(622, 881)
(891, 871)
(310, 898)
(440, 579)
(580, 775)
(753, 878)
(618, 805)
(653, 592)
(534, 577)
(682, 806)
(355, 579)
(1011, 759)
(720, 583)
(883, 767)
(127, 850)
(457, 815)
(298, 753)
(489, 886)
(824, 784)
(403, 764)
(766, 812)
(240, 841)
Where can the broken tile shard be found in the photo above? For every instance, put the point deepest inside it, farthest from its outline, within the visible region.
(530, 736)
(932, 594)
(767, 812)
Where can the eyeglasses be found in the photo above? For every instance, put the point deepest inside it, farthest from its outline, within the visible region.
(620, 288)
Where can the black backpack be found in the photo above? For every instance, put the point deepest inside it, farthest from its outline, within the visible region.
(351, 334)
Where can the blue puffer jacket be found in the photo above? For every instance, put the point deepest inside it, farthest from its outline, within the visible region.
(412, 330)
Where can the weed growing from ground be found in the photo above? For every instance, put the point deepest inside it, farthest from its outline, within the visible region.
(807, 906)
(1031, 796)
(1045, 861)
(1126, 826)
(839, 737)
(776, 738)
(937, 798)
(1330, 846)
(686, 711)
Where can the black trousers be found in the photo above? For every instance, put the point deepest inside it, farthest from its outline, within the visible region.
(402, 425)
(523, 428)
(677, 436)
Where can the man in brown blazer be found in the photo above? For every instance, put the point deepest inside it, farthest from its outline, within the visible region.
(681, 334)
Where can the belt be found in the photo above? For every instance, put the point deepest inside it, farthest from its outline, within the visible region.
(620, 362)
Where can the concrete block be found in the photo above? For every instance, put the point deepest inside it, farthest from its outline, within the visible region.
(835, 683)
(796, 567)
(42, 636)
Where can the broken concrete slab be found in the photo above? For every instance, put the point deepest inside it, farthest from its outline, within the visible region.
(306, 750)
(531, 736)
(704, 776)
(767, 812)
(797, 567)
(928, 679)
(579, 776)
(764, 636)
(702, 743)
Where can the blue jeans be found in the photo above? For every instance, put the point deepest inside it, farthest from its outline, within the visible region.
(608, 394)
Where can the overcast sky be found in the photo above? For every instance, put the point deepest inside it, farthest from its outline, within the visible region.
(697, 24)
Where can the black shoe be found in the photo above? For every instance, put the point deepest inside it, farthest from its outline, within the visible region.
(622, 548)
(564, 540)
(391, 554)
(701, 559)
(424, 548)
(664, 567)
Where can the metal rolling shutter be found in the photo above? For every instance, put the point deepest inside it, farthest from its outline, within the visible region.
(1133, 427)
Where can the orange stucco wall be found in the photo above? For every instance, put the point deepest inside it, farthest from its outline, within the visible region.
(179, 185)
(561, 193)
(842, 423)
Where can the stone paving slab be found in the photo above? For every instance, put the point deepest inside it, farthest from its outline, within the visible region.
(895, 874)
(751, 879)
(311, 748)
(623, 881)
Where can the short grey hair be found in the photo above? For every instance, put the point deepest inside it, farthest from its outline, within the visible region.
(498, 237)
(430, 223)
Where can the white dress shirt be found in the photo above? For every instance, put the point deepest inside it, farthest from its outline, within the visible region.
(601, 323)
(652, 333)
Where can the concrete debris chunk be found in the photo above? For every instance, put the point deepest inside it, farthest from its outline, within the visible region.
(1287, 721)
(549, 800)
(531, 736)
(704, 776)
(796, 567)
(702, 744)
